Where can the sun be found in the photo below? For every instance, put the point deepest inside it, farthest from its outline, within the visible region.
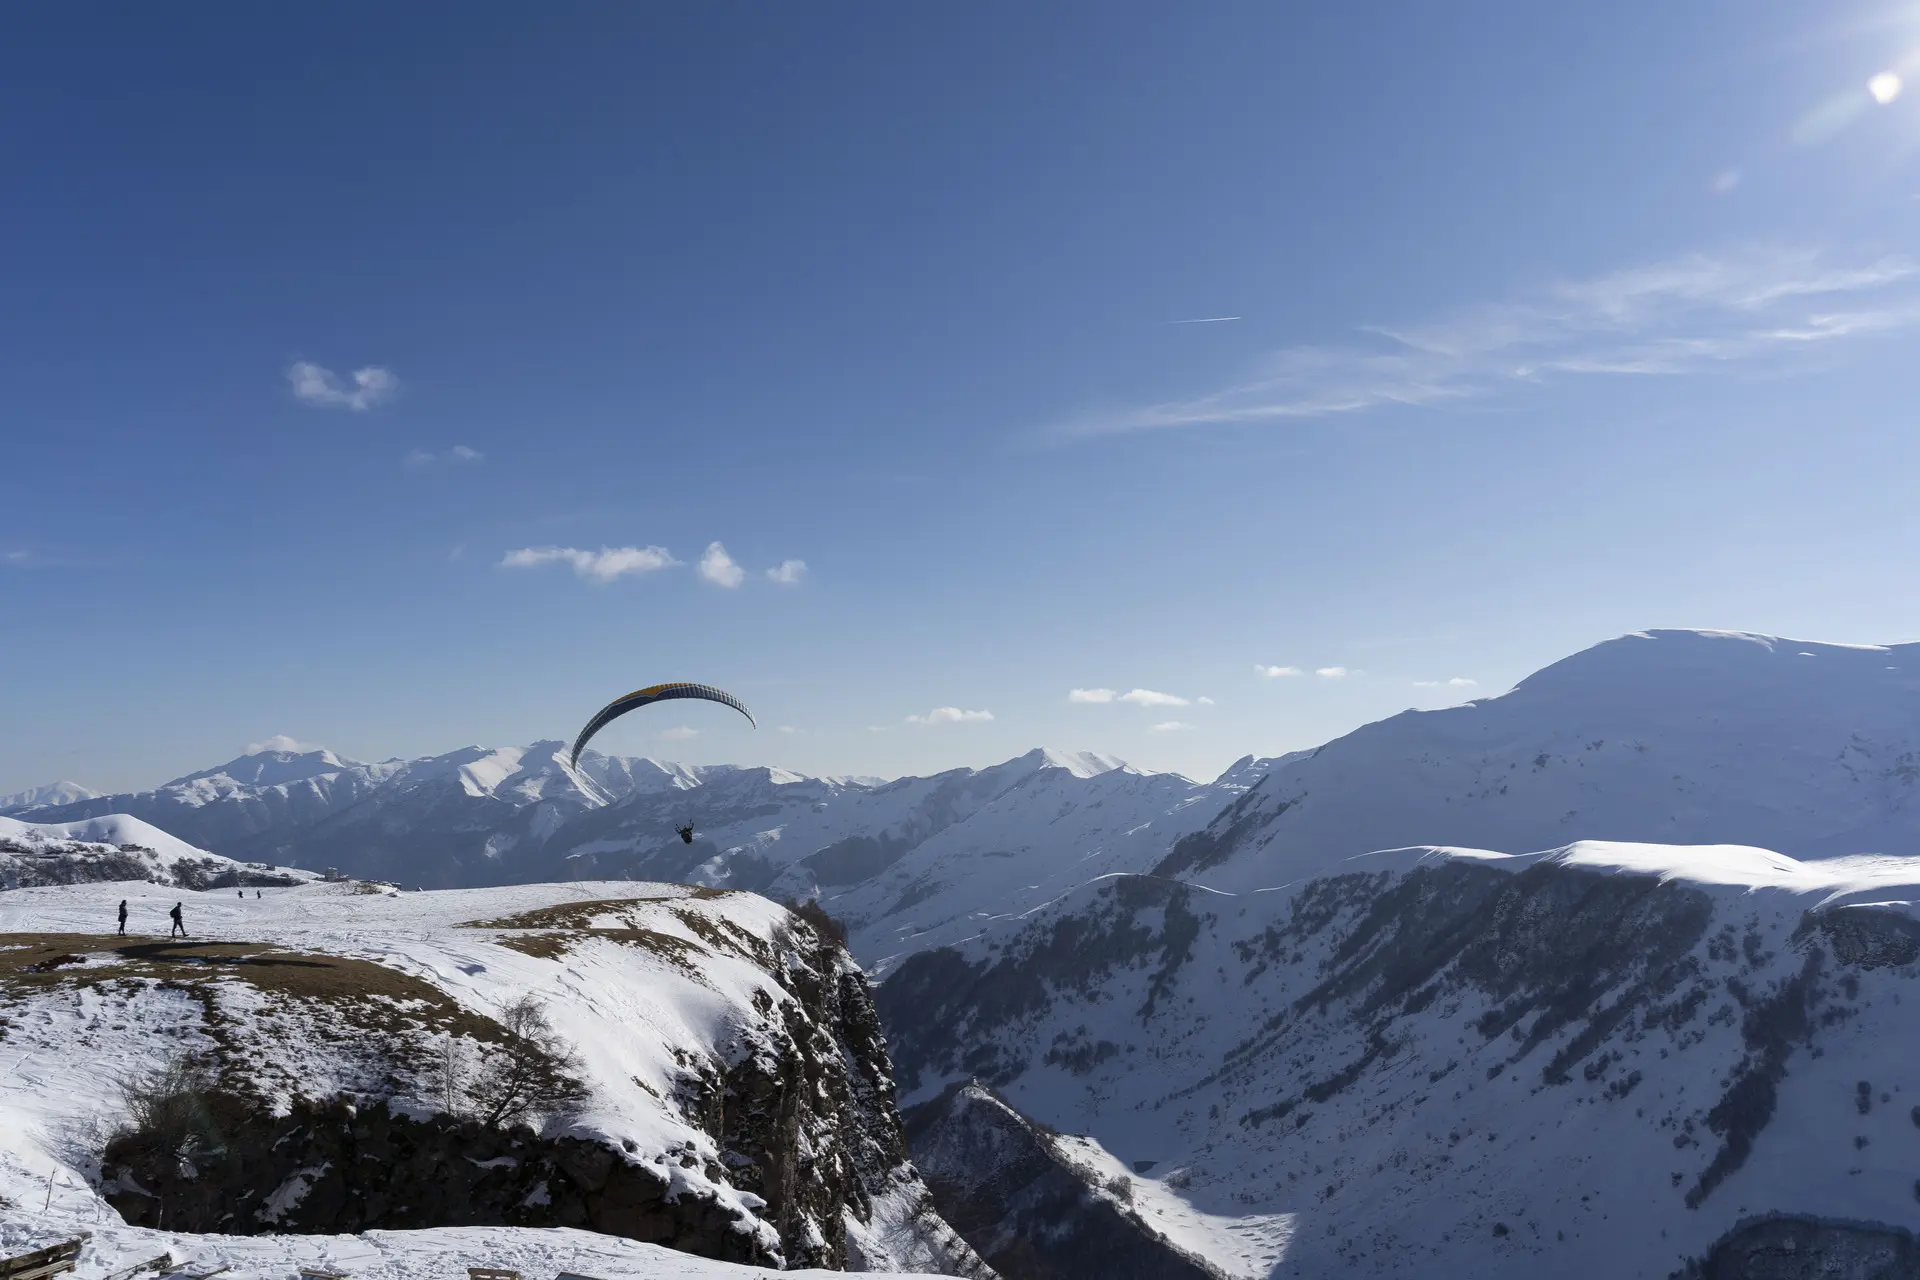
(1884, 87)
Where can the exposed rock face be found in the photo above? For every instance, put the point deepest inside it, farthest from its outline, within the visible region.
(337, 1169)
(1787, 1247)
(1033, 1215)
(1453, 1063)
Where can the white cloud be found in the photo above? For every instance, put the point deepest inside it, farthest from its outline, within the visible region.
(1426, 684)
(1331, 673)
(1205, 702)
(1091, 695)
(787, 573)
(16, 556)
(950, 715)
(603, 565)
(1168, 726)
(717, 567)
(1462, 682)
(280, 742)
(324, 388)
(1274, 673)
(455, 456)
(1148, 698)
(679, 733)
(1458, 682)
(785, 728)
(1682, 316)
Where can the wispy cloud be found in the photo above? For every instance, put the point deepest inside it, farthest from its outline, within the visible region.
(717, 567)
(1205, 320)
(679, 733)
(785, 728)
(15, 556)
(1205, 702)
(456, 456)
(1686, 315)
(280, 742)
(1275, 673)
(1168, 726)
(1458, 682)
(603, 565)
(1150, 698)
(788, 573)
(1331, 673)
(1091, 695)
(950, 715)
(360, 391)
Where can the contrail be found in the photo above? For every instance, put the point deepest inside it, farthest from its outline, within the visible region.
(1205, 320)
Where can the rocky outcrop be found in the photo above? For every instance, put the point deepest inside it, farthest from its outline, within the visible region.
(803, 1124)
(998, 1178)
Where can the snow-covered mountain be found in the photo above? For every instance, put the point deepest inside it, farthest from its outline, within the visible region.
(909, 863)
(1594, 1062)
(702, 1069)
(1682, 737)
(117, 847)
(54, 793)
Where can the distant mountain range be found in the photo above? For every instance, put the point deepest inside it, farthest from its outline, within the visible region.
(906, 864)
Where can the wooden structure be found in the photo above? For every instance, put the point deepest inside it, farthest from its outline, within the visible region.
(42, 1263)
(491, 1273)
(162, 1263)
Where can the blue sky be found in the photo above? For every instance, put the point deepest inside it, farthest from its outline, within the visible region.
(342, 345)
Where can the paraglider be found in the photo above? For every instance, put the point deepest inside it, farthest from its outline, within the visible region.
(686, 833)
(646, 697)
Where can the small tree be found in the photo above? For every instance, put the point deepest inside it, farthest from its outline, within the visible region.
(532, 1071)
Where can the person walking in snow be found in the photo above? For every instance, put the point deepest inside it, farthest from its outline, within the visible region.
(123, 917)
(179, 926)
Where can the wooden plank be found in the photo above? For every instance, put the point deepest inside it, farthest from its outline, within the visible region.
(160, 1263)
(41, 1263)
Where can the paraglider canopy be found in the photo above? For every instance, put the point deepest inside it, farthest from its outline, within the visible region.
(647, 697)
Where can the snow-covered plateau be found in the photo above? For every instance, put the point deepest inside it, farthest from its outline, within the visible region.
(706, 1071)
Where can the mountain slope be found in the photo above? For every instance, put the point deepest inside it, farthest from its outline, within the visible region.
(1680, 737)
(729, 1091)
(116, 848)
(1594, 1061)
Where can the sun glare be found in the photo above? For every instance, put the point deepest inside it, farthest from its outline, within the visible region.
(1884, 87)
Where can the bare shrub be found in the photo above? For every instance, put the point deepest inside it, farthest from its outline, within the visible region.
(816, 915)
(533, 1071)
(169, 1111)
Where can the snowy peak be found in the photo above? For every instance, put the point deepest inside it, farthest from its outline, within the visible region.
(1670, 737)
(267, 768)
(53, 793)
(1081, 764)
